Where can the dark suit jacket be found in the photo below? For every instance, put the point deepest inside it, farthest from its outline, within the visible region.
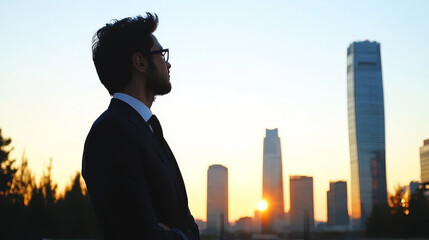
(133, 181)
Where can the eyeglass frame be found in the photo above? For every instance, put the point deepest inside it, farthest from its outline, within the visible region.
(164, 52)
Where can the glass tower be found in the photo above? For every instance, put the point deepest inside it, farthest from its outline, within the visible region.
(366, 129)
(301, 203)
(217, 198)
(337, 204)
(424, 161)
(272, 182)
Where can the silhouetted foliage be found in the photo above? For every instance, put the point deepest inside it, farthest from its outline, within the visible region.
(33, 211)
(402, 218)
(419, 214)
(378, 223)
(76, 215)
(22, 183)
(7, 172)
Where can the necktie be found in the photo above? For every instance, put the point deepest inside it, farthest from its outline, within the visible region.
(156, 128)
(157, 131)
(171, 162)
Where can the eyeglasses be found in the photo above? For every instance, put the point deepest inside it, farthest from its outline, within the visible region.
(164, 52)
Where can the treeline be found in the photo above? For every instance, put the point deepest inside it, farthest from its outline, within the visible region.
(404, 217)
(31, 209)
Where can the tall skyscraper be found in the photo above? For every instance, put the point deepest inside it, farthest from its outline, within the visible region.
(424, 161)
(366, 129)
(301, 203)
(217, 198)
(272, 182)
(337, 204)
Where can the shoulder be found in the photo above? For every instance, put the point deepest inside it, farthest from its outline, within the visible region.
(109, 140)
(117, 118)
(110, 120)
(110, 128)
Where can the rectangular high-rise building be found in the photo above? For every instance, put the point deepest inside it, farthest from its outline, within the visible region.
(301, 203)
(366, 130)
(337, 204)
(217, 199)
(424, 161)
(272, 182)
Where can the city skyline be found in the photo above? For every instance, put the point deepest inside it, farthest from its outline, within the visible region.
(237, 69)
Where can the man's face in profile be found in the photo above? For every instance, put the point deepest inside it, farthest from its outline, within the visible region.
(158, 79)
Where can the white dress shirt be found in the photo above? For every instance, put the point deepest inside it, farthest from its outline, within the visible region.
(142, 109)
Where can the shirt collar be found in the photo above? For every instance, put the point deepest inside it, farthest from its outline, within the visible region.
(142, 109)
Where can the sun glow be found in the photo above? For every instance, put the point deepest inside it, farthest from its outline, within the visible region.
(262, 205)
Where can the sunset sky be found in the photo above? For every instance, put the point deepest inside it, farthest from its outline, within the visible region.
(237, 69)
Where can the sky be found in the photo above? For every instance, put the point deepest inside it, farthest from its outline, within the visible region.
(238, 67)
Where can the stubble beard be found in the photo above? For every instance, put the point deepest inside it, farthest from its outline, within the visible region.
(156, 84)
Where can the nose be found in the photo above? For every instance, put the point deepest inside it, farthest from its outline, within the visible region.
(168, 65)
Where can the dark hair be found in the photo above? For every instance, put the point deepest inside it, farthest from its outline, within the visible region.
(114, 45)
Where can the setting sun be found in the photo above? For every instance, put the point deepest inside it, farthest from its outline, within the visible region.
(261, 205)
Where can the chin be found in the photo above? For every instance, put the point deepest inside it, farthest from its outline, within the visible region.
(162, 90)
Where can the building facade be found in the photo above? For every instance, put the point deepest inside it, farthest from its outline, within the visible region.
(301, 203)
(409, 190)
(424, 161)
(272, 182)
(337, 204)
(366, 129)
(244, 225)
(217, 199)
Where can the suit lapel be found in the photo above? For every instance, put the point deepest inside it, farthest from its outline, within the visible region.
(135, 118)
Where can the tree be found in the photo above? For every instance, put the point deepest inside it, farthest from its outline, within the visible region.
(419, 214)
(377, 224)
(7, 171)
(32, 210)
(77, 217)
(42, 206)
(22, 183)
(398, 214)
(402, 219)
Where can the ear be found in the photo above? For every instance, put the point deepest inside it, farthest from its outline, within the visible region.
(140, 63)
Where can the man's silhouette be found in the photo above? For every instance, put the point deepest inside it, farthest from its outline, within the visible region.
(131, 174)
